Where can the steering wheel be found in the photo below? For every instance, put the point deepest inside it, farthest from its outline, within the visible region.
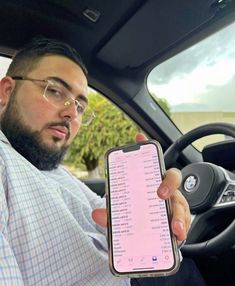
(209, 190)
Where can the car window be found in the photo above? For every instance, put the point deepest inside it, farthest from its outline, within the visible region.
(198, 84)
(110, 128)
(4, 64)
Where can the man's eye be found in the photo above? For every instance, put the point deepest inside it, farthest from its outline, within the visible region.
(55, 92)
(80, 108)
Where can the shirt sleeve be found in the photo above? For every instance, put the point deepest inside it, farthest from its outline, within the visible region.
(10, 274)
(9, 271)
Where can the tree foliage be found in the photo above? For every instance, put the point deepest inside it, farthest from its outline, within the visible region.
(109, 128)
(163, 103)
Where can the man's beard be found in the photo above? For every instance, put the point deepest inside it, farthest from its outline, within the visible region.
(29, 143)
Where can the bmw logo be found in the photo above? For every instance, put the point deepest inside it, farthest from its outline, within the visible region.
(190, 183)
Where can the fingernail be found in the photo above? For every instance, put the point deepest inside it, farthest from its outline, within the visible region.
(179, 224)
(164, 191)
(179, 229)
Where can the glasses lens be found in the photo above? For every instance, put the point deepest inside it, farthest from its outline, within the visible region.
(55, 93)
(87, 116)
(59, 96)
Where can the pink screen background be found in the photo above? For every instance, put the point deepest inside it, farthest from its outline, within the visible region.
(140, 230)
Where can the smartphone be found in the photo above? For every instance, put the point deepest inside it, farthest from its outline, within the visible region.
(140, 240)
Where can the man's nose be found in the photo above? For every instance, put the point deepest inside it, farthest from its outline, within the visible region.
(69, 110)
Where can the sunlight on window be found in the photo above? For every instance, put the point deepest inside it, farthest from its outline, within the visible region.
(4, 64)
(199, 78)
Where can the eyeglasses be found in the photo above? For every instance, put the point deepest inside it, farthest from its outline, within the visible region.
(56, 93)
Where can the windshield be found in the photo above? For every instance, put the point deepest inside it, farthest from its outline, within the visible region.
(198, 85)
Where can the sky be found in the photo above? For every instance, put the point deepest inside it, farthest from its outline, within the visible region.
(201, 78)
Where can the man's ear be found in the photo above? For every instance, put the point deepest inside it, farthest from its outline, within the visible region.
(7, 85)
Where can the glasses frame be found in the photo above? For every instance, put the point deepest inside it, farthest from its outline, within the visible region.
(66, 103)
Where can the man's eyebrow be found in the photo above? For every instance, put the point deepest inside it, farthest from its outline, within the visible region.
(81, 97)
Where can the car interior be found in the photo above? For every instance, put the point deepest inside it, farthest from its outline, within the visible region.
(121, 42)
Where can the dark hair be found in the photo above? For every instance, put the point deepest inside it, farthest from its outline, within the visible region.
(27, 58)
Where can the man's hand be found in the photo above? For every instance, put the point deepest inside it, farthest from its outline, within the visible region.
(168, 189)
(181, 218)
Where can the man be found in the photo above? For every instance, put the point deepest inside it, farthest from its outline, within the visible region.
(52, 227)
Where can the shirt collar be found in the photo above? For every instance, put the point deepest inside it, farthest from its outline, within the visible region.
(3, 138)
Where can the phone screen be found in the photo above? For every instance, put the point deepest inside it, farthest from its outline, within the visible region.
(140, 237)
